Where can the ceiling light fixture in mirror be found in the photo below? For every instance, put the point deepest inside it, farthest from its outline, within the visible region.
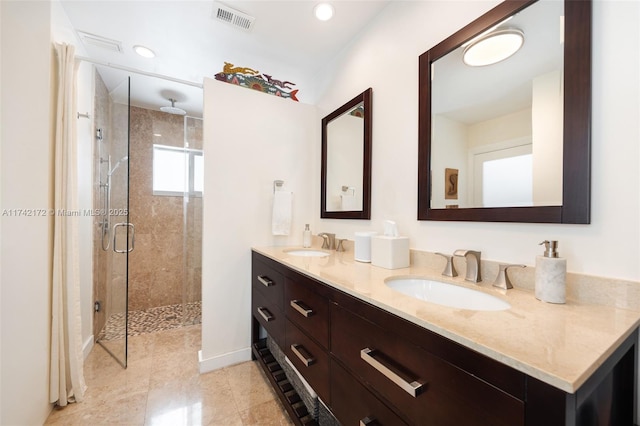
(493, 47)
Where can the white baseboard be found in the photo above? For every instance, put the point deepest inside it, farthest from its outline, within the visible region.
(224, 360)
(88, 345)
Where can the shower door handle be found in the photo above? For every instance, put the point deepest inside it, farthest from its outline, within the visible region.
(129, 249)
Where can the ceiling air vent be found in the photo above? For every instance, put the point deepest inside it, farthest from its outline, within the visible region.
(99, 41)
(232, 17)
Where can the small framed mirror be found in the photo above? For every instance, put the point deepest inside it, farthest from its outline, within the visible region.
(345, 191)
(508, 140)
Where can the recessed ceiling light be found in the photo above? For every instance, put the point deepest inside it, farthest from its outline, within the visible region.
(143, 51)
(493, 47)
(323, 11)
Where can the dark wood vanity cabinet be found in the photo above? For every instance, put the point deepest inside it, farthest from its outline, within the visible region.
(309, 358)
(425, 389)
(354, 404)
(267, 286)
(307, 309)
(307, 331)
(374, 368)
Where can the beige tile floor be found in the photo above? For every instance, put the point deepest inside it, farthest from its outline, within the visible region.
(162, 386)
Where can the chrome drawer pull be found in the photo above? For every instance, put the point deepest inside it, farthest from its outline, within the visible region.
(265, 280)
(368, 421)
(298, 306)
(306, 361)
(267, 316)
(414, 388)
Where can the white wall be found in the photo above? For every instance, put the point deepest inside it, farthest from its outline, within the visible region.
(27, 155)
(452, 154)
(515, 125)
(385, 58)
(250, 140)
(547, 132)
(26, 241)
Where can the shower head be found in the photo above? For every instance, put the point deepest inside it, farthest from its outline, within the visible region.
(125, 158)
(173, 109)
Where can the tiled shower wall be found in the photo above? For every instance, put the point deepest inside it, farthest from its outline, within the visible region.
(164, 267)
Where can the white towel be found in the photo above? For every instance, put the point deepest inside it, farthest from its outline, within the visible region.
(348, 202)
(281, 219)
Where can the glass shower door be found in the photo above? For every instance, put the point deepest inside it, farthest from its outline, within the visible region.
(117, 231)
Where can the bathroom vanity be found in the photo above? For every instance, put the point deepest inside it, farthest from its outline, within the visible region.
(377, 357)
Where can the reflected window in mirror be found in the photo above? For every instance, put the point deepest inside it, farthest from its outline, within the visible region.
(346, 160)
(517, 130)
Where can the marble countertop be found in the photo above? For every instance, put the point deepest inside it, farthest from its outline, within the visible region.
(561, 345)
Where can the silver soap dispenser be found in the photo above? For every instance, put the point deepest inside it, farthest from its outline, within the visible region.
(551, 273)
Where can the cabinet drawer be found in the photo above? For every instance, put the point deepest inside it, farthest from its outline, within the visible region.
(309, 359)
(307, 309)
(354, 405)
(268, 315)
(425, 388)
(268, 281)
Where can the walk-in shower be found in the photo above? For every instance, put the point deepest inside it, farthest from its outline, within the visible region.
(147, 242)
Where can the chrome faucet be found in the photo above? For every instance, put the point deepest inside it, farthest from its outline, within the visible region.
(472, 259)
(328, 240)
(449, 269)
(502, 280)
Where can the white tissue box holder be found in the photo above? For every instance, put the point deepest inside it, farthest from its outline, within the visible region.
(390, 252)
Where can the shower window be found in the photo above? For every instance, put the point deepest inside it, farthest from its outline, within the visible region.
(177, 171)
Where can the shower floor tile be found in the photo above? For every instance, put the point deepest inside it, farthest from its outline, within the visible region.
(162, 385)
(152, 320)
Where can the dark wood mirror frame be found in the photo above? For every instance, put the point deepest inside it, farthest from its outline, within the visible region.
(576, 187)
(365, 213)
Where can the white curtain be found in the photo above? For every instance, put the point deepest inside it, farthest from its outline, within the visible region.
(66, 382)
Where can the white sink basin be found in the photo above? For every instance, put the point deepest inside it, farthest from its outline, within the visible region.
(447, 294)
(307, 252)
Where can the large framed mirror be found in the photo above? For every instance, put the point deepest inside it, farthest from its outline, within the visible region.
(508, 141)
(346, 160)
